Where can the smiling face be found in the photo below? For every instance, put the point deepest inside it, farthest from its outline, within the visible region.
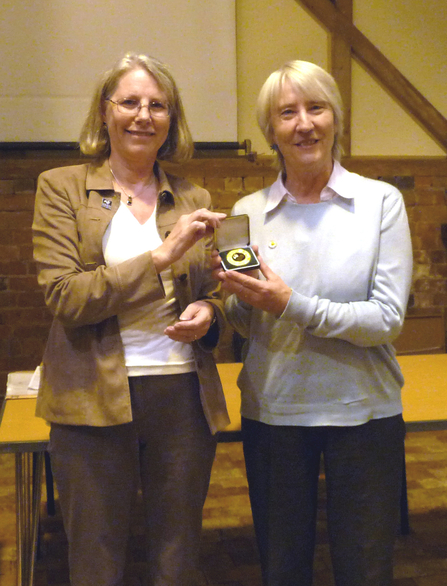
(303, 130)
(136, 136)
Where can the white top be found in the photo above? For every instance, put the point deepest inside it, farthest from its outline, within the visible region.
(147, 350)
(328, 359)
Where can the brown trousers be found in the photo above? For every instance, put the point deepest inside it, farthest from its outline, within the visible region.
(169, 449)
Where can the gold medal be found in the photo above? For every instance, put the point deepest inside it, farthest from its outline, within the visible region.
(238, 257)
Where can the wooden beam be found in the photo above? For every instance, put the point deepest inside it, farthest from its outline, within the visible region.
(381, 68)
(341, 67)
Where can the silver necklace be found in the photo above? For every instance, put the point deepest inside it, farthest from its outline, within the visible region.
(129, 197)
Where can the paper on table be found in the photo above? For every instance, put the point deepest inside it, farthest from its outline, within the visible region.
(24, 383)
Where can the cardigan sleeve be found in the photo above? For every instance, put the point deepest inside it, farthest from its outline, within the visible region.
(378, 319)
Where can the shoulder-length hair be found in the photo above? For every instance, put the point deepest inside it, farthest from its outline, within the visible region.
(94, 139)
(314, 83)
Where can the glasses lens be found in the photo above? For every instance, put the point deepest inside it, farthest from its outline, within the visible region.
(159, 109)
(128, 106)
(132, 107)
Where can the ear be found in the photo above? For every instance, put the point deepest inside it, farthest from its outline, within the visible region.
(103, 110)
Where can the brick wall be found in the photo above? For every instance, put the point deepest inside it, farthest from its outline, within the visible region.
(24, 320)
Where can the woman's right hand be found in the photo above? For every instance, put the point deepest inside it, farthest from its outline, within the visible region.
(269, 294)
(189, 229)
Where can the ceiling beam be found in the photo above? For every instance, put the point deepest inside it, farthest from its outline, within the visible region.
(381, 68)
(341, 69)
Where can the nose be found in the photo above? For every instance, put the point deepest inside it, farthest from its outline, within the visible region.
(144, 113)
(304, 121)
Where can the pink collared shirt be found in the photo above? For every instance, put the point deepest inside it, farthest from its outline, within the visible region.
(278, 190)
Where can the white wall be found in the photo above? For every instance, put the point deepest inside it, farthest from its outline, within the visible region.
(411, 34)
(53, 51)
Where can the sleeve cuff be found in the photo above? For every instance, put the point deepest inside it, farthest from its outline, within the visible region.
(299, 309)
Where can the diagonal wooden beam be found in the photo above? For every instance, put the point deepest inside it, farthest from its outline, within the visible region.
(381, 68)
(341, 69)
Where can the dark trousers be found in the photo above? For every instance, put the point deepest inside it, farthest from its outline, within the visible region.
(169, 449)
(363, 469)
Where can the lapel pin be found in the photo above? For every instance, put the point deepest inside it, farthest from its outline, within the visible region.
(107, 204)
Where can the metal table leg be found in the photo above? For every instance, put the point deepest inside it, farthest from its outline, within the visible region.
(28, 495)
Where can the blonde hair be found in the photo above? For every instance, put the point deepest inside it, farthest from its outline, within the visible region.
(94, 139)
(312, 81)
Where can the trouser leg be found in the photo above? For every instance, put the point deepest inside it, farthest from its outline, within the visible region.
(95, 470)
(282, 470)
(176, 456)
(363, 477)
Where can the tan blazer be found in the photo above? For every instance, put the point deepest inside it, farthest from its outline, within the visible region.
(84, 378)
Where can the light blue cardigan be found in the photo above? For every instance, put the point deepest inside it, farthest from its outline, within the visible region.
(328, 359)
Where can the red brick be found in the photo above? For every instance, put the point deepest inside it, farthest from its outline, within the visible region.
(196, 180)
(439, 270)
(431, 241)
(33, 298)
(27, 186)
(6, 186)
(25, 283)
(252, 184)
(421, 286)
(269, 179)
(409, 198)
(440, 300)
(437, 256)
(8, 299)
(26, 252)
(423, 182)
(17, 203)
(15, 220)
(13, 268)
(436, 214)
(32, 316)
(234, 185)
(226, 200)
(421, 228)
(9, 252)
(421, 257)
(21, 363)
(424, 301)
(31, 331)
(33, 347)
(214, 183)
(436, 197)
(22, 236)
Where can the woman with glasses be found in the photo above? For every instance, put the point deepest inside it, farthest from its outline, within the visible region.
(128, 380)
(320, 377)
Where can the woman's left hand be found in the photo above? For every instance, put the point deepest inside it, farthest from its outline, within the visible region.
(193, 324)
(271, 295)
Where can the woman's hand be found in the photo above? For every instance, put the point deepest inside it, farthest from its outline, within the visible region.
(194, 323)
(189, 229)
(271, 295)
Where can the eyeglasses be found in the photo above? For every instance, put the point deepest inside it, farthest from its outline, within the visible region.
(132, 107)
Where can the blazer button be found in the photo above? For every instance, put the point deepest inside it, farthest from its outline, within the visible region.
(183, 278)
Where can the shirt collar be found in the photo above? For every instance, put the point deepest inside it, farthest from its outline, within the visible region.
(99, 178)
(338, 185)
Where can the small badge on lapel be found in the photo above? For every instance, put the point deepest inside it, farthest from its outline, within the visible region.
(106, 203)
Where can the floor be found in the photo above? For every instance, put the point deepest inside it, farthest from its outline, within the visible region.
(229, 555)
